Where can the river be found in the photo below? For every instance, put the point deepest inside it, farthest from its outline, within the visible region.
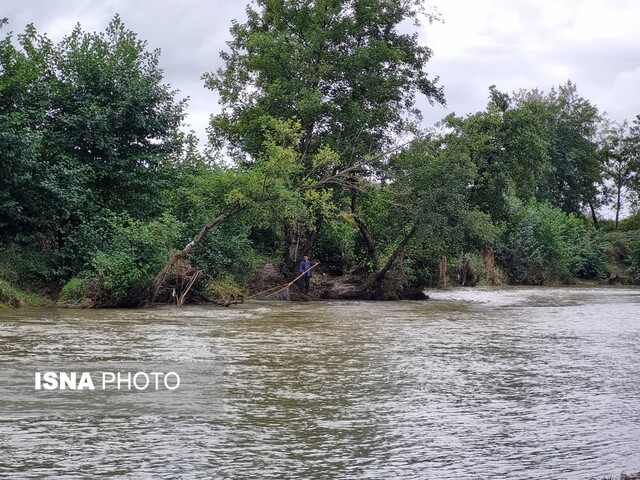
(518, 383)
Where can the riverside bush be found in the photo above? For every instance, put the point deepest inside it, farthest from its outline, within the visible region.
(14, 297)
(137, 252)
(633, 254)
(545, 245)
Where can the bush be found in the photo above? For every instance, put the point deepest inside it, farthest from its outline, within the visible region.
(545, 245)
(633, 255)
(14, 297)
(629, 224)
(335, 246)
(137, 252)
(224, 292)
(77, 292)
(486, 271)
(226, 251)
(27, 266)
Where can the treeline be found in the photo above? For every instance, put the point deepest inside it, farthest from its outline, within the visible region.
(316, 150)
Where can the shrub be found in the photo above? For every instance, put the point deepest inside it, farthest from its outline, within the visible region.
(27, 266)
(137, 252)
(633, 255)
(224, 292)
(545, 245)
(77, 292)
(630, 223)
(14, 297)
(226, 251)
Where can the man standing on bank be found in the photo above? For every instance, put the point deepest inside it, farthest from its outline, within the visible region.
(305, 266)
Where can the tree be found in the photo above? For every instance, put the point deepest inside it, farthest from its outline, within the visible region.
(429, 211)
(575, 167)
(508, 145)
(632, 152)
(114, 117)
(24, 102)
(97, 133)
(619, 167)
(341, 68)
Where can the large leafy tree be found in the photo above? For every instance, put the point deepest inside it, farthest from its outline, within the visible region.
(25, 93)
(620, 173)
(97, 132)
(344, 69)
(428, 211)
(575, 159)
(631, 149)
(508, 143)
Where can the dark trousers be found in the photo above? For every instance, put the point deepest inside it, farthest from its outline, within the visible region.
(304, 283)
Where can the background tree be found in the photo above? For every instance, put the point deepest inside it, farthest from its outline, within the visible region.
(575, 162)
(619, 173)
(342, 68)
(632, 151)
(96, 130)
(25, 91)
(508, 143)
(429, 212)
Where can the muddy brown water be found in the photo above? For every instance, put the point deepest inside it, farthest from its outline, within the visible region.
(515, 383)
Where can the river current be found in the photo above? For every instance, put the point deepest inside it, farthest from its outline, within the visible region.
(518, 383)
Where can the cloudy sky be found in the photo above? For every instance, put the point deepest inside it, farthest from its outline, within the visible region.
(512, 44)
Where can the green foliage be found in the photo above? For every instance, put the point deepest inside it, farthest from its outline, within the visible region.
(27, 266)
(336, 247)
(24, 100)
(14, 297)
(620, 169)
(87, 129)
(508, 144)
(265, 193)
(630, 223)
(575, 165)
(592, 248)
(74, 292)
(544, 245)
(136, 253)
(424, 211)
(485, 273)
(92, 156)
(224, 291)
(633, 254)
(227, 251)
(326, 65)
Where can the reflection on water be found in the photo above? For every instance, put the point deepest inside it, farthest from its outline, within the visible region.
(476, 383)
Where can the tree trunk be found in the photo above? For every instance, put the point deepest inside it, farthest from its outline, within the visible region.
(369, 241)
(293, 234)
(618, 204)
(181, 258)
(594, 217)
(397, 252)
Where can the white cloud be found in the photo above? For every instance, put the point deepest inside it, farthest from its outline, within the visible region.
(512, 44)
(537, 44)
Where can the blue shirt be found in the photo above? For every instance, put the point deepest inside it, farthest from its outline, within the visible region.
(306, 265)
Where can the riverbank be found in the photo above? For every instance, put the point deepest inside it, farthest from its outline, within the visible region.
(30, 277)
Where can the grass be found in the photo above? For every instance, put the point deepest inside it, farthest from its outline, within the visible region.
(16, 298)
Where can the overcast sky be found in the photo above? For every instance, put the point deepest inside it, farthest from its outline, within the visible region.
(512, 44)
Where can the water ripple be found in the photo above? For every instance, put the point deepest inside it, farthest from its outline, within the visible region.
(478, 383)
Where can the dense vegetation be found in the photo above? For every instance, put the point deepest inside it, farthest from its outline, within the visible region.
(317, 150)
